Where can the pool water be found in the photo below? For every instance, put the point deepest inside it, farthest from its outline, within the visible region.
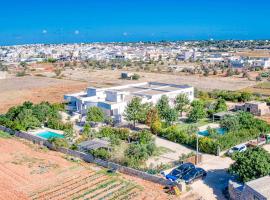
(49, 134)
(220, 131)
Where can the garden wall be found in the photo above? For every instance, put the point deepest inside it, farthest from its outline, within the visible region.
(89, 158)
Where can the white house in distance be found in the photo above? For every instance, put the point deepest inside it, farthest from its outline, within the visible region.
(113, 100)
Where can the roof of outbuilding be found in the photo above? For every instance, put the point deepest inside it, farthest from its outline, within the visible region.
(94, 144)
(261, 185)
(221, 114)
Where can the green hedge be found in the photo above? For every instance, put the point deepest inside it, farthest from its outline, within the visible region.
(246, 127)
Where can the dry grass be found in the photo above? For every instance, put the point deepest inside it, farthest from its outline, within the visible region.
(15, 91)
(255, 53)
(261, 88)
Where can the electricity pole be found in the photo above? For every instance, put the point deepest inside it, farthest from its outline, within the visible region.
(197, 148)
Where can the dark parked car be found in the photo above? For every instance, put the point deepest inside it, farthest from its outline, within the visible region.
(194, 174)
(180, 171)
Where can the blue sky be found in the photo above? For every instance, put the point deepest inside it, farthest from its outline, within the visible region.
(63, 21)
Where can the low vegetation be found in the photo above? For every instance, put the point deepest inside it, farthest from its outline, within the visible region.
(234, 96)
(4, 135)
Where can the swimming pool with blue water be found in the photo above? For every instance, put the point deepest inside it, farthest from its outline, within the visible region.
(49, 134)
(220, 131)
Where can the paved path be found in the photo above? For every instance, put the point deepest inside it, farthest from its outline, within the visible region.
(216, 180)
(211, 125)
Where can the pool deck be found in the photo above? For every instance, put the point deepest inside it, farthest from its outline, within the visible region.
(40, 130)
(211, 125)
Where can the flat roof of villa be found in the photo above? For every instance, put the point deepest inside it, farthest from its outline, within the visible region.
(153, 88)
(146, 89)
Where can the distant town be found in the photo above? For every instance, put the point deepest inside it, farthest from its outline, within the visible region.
(194, 51)
(146, 120)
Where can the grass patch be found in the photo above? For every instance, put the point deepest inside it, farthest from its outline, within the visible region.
(200, 123)
(4, 135)
(264, 85)
(162, 150)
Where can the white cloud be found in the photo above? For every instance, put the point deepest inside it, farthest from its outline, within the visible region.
(77, 32)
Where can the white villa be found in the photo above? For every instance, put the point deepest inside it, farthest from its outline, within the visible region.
(113, 100)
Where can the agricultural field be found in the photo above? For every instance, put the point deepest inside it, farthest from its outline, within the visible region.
(28, 171)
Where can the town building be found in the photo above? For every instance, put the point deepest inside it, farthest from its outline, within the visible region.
(114, 100)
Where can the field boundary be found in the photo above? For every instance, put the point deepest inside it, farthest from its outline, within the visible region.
(89, 158)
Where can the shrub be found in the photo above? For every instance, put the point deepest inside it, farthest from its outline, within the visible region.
(101, 153)
(183, 157)
(156, 127)
(95, 114)
(59, 142)
(136, 77)
(20, 74)
(207, 145)
(137, 151)
(4, 134)
(230, 122)
(175, 134)
(123, 133)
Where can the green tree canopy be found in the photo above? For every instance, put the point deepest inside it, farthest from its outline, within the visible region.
(170, 115)
(181, 103)
(221, 106)
(230, 122)
(251, 164)
(95, 114)
(162, 106)
(134, 110)
(197, 112)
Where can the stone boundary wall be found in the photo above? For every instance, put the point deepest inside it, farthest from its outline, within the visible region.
(90, 158)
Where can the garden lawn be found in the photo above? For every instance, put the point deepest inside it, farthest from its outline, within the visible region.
(200, 123)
